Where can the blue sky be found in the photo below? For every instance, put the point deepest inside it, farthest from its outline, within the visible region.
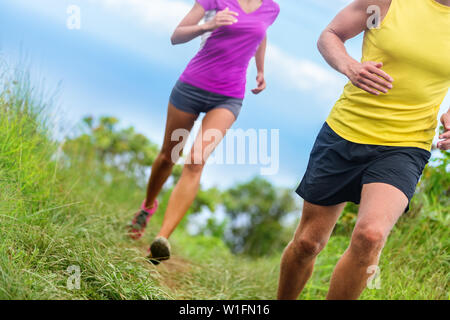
(121, 63)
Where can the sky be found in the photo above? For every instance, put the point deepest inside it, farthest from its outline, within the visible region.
(121, 63)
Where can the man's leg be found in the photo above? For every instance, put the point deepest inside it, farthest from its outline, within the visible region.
(381, 206)
(310, 238)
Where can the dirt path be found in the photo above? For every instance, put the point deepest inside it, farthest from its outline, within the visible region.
(171, 273)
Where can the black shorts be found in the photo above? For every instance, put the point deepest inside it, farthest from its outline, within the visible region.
(338, 169)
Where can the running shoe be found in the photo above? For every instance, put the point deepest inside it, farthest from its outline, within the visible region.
(137, 226)
(159, 250)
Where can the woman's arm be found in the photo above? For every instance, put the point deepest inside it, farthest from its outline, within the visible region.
(350, 22)
(259, 59)
(189, 27)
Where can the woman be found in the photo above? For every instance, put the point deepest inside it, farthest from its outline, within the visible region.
(214, 83)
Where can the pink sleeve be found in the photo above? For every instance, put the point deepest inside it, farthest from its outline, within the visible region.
(208, 4)
(276, 12)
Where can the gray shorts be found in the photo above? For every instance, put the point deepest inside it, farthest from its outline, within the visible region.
(188, 98)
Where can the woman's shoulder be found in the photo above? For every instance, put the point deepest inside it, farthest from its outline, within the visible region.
(273, 5)
(274, 8)
(208, 4)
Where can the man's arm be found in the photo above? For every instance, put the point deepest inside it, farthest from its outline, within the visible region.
(350, 22)
(259, 59)
(444, 144)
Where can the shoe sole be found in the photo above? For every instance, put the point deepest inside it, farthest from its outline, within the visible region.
(159, 251)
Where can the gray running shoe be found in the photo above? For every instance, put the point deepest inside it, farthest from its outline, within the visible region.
(159, 250)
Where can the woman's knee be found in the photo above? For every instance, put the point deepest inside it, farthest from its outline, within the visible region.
(166, 157)
(195, 163)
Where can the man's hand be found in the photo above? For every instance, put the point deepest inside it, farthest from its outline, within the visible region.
(369, 77)
(444, 144)
(222, 18)
(261, 83)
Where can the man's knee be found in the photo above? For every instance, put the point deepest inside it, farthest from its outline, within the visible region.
(304, 247)
(367, 241)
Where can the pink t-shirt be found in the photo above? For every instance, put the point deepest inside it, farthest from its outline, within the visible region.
(221, 65)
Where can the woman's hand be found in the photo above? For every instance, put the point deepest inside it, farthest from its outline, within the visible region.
(444, 144)
(259, 59)
(222, 18)
(261, 83)
(369, 77)
(189, 27)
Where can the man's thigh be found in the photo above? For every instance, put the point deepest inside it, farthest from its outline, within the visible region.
(381, 206)
(317, 222)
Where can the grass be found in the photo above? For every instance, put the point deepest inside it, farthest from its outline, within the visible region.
(414, 265)
(54, 215)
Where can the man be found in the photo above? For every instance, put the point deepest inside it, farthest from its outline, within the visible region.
(376, 141)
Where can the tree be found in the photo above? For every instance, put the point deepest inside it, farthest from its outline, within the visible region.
(105, 150)
(256, 210)
(122, 149)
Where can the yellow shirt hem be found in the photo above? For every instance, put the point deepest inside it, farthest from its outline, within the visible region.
(335, 127)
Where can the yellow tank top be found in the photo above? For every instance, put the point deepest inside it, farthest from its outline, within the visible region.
(413, 42)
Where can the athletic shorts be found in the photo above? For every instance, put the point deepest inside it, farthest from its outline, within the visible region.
(338, 169)
(188, 98)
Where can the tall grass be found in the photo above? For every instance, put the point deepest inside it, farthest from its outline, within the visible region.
(53, 217)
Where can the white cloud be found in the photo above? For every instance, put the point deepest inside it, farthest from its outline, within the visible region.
(297, 73)
(162, 15)
(302, 74)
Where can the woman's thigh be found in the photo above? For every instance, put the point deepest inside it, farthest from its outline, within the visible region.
(214, 127)
(178, 125)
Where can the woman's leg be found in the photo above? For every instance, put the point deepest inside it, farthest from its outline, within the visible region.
(164, 162)
(215, 123)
